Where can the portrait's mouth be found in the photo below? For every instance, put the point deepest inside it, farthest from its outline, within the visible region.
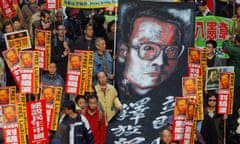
(153, 73)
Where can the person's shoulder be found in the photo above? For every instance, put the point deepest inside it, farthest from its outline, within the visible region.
(111, 87)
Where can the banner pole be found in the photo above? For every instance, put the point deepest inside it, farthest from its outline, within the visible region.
(224, 132)
(114, 42)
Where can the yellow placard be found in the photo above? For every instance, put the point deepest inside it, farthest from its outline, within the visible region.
(48, 48)
(13, 97)
(36, 73)
(89, 71)
(56, 109)
(231, 96)
(21, 123)
(83, 73)
(200, 98)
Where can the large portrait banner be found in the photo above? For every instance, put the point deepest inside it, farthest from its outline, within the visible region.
(152, 57)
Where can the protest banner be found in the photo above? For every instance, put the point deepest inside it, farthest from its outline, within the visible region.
(86, 71)
(19, 40)
(12, 59)
(7, 9)
(52, 4)
(212, 76)
(179, 118)
(52, 97)
(151, 59)
(29, 72)
(214, 28)
(89, 4)
(194, 62)
(43, 46)
(37, 122)
(73, 77)
(13, 124)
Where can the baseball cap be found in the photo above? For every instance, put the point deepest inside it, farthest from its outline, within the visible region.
(201, 2)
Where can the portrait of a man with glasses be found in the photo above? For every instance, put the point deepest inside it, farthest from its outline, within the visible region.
(152, 57)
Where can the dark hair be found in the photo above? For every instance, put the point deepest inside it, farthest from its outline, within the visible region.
(92, 97)
(78, 97)
(44, 12)
(212, 42)
(70, 105)
(212, 93)
(159, 14)
(5, 24)
(53, 62)
(87, 25)
(110, 24)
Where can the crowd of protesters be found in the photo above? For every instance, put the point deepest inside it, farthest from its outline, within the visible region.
(77, 29)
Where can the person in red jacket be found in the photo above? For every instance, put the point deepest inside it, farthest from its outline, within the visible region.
(96, 119)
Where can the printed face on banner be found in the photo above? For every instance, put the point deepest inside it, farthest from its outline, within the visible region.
(153, 52)
(213, 78)
(189, 86)
(40, 38)
(190, 111)
(11, 57)
(181, 106)
(194, 56)
(9, 114)
(18, 40)
(75, 62)
(4, 95)
(26, 60)
(224, 81)
(48, 94)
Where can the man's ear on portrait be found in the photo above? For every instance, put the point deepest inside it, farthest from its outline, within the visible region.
(123, 52)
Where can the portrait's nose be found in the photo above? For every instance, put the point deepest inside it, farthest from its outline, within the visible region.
(158, 60)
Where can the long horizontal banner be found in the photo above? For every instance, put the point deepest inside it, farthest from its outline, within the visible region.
(89, 3)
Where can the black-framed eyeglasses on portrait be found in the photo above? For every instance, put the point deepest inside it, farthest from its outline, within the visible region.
(150, 51)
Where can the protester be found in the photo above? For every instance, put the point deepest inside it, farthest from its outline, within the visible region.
(234, 53)
(203, 9)
(16, 23)
(60, 51)
(102, 61)
(96, 119)
(44, 23)
(111, 30)
(28, 10)
(74, 128)
(72, 24)
(212, 59)
(81, 103)
(166, 137)
(212, 126)
(234, 134)
(36, 16)
(53, 78)
(107, 96)
(87, 41)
